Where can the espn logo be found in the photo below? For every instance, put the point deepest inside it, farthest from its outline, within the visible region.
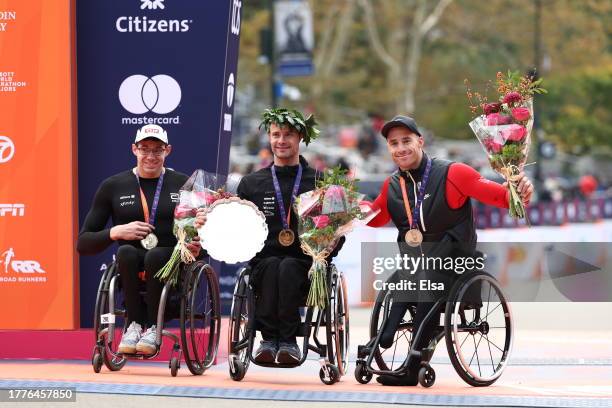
(14, 210)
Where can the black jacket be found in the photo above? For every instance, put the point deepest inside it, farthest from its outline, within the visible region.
(258, 188)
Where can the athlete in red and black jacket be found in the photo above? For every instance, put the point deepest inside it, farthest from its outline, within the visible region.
(445, 213)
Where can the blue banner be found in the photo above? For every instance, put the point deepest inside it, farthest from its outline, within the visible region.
(168, 62)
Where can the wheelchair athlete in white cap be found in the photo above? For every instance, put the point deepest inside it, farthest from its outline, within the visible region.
(140, 202)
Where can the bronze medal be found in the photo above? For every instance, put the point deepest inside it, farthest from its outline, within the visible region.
(286, 237)
(149, 242)
(414, 237)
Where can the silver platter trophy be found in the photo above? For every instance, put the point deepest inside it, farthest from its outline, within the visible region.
(235, 230)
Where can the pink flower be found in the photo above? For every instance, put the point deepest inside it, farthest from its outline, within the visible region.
(334, 193)
(512, 97)
(492, 146)
(491, 108)
(521, 114)
(321, 221)
(514, 133)
(495, 119)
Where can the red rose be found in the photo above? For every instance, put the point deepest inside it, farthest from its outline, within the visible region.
(491, 108)
(514, 133)
(521, 114)
(492, 146)
(512, 97)
(321, 221)
(495, 119)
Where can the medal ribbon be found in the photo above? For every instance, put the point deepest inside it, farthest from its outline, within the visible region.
(286, 217)
(414, 223)
(150, 217)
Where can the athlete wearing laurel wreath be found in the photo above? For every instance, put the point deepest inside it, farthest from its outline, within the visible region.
(140, 202)
(428, 200)
(280, 270)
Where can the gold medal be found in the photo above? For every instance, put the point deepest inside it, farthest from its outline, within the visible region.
(286, 237)
(414, 237)
(149, 242)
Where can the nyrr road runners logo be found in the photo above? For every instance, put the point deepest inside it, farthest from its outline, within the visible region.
(160, 94)
(144, 24)
(14, 270)
(5, 18)
(7, 149)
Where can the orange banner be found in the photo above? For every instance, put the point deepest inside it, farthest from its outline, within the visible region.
(37, 281)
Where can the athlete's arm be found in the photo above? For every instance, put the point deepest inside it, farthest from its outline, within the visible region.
(380, 203)
(463, 181)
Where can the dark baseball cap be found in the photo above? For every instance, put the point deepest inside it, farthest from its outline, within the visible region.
(401, 121)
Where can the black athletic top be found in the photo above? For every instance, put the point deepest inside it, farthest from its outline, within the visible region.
(118, 198)
(258, 188)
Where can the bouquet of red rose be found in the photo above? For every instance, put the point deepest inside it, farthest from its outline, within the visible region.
(324, 215)
(503, 128)
(199, 191)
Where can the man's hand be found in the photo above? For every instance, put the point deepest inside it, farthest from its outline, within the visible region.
(132, 231)
(200, 218)
(524, 188)
(194, 246)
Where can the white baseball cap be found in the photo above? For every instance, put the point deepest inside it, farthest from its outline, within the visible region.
(154, 131)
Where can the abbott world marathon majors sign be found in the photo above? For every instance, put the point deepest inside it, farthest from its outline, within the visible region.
(167, 62)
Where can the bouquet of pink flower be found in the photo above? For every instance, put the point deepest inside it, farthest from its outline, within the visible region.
(199, 191)
(324, 215)
(503, 128)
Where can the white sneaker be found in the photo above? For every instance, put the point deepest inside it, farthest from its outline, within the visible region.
(147, 345)
(130, 338)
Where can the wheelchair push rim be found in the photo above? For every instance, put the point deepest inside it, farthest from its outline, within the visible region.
(478, 331)
(339, 335)
(104, 346)
(388, 359)
(200, 317)
(238, 329)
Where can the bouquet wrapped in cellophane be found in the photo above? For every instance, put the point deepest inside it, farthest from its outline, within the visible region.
(324, 215)
(503, 128)
(199, 191)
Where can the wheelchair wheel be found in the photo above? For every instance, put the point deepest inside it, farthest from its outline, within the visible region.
(478, 329)
(200, 317)
(338, 329)
(392, 357)
(108, 354)
(238, 335)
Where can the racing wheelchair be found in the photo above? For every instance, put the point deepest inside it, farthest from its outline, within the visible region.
(478, 332)
(194, 301)
(334, 318)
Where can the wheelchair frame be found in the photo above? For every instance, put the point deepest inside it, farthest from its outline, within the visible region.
(191, 275)
(333, 355)
(454, 322)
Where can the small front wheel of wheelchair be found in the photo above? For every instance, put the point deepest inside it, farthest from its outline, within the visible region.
(329, 374)
(174, 366)
(427, 376)
(361, 374)
(96, 362)
(237, 370)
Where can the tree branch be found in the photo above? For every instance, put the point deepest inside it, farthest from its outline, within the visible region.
(431, 20)
(374, 38)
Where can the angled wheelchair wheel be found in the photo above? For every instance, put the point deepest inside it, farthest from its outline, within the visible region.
(200, 317)
(478, 329)
(393, 357)
(338, 334)
(238, 329)
(108, 345)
